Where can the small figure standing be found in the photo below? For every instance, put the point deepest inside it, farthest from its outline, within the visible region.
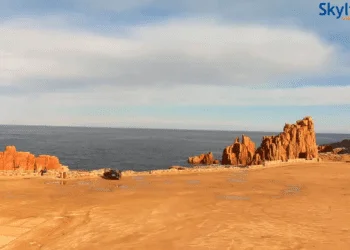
(43, 171)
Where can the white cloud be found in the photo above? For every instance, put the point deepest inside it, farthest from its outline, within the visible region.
(201, 95)
(66, 108)
(170, 53)
(179, 62)
(112, 5)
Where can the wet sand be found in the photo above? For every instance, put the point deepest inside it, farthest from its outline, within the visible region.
(297, 206)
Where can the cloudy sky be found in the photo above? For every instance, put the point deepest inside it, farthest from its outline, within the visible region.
(192, 64)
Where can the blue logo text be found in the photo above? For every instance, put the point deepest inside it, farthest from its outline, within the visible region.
(334, 10)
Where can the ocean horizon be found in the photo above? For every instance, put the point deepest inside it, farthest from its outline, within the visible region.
(137, 149)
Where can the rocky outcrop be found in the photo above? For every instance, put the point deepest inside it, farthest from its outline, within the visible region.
(325, 148)
(11, 159)
(343, 144)
(296, 141)
(203, 159)
(344, 151)
(342, 147)
(239, 153)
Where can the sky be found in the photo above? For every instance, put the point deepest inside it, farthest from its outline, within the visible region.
(185, 64)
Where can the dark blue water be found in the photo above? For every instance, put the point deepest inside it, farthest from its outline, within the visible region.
(135, 149)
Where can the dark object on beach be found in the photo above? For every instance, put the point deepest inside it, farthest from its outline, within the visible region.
(177, 167)
(112, 174)
(43, 171)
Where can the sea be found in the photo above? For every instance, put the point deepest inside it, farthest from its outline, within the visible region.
(82, 148)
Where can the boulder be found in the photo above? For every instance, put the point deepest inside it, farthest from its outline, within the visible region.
(203, 159)
(239, 153)
(216, 162)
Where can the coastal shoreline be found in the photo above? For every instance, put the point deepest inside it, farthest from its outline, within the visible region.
(174, 170)
(74, 174)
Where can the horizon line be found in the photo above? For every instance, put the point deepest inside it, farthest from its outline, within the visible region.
(143, 128)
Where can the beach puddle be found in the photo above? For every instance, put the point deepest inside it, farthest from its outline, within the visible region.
(232, 197)
(138, 178)
(102, 189)
(193, 182)
(288, 191)
(52, 182)
(238, 177)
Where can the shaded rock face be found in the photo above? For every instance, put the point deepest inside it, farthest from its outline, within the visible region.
(343, 144)
(216, 162)
(340, 151)
(10, 159)
(204, 159)
(296, 141)
(239, 153)
(344, 151)
(325, 149)
(342, 147)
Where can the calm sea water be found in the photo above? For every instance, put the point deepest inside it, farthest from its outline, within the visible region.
(134, 149)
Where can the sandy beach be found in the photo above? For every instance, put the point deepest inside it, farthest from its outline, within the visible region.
(296, 206)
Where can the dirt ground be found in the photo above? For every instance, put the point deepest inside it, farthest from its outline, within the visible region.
(300, 206)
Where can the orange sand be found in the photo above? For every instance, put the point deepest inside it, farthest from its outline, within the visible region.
(299, 206)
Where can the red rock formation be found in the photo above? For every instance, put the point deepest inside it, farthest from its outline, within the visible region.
(239, 153)
(205, 159)
(296, 141)
(50, 162)
(1, 160)
(10, 159)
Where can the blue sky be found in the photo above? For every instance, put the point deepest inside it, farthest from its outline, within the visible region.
(232, 65)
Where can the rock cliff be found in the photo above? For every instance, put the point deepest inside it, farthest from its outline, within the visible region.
(296, 141)
(11, 159)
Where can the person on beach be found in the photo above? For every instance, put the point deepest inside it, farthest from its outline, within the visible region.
(43, 171)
